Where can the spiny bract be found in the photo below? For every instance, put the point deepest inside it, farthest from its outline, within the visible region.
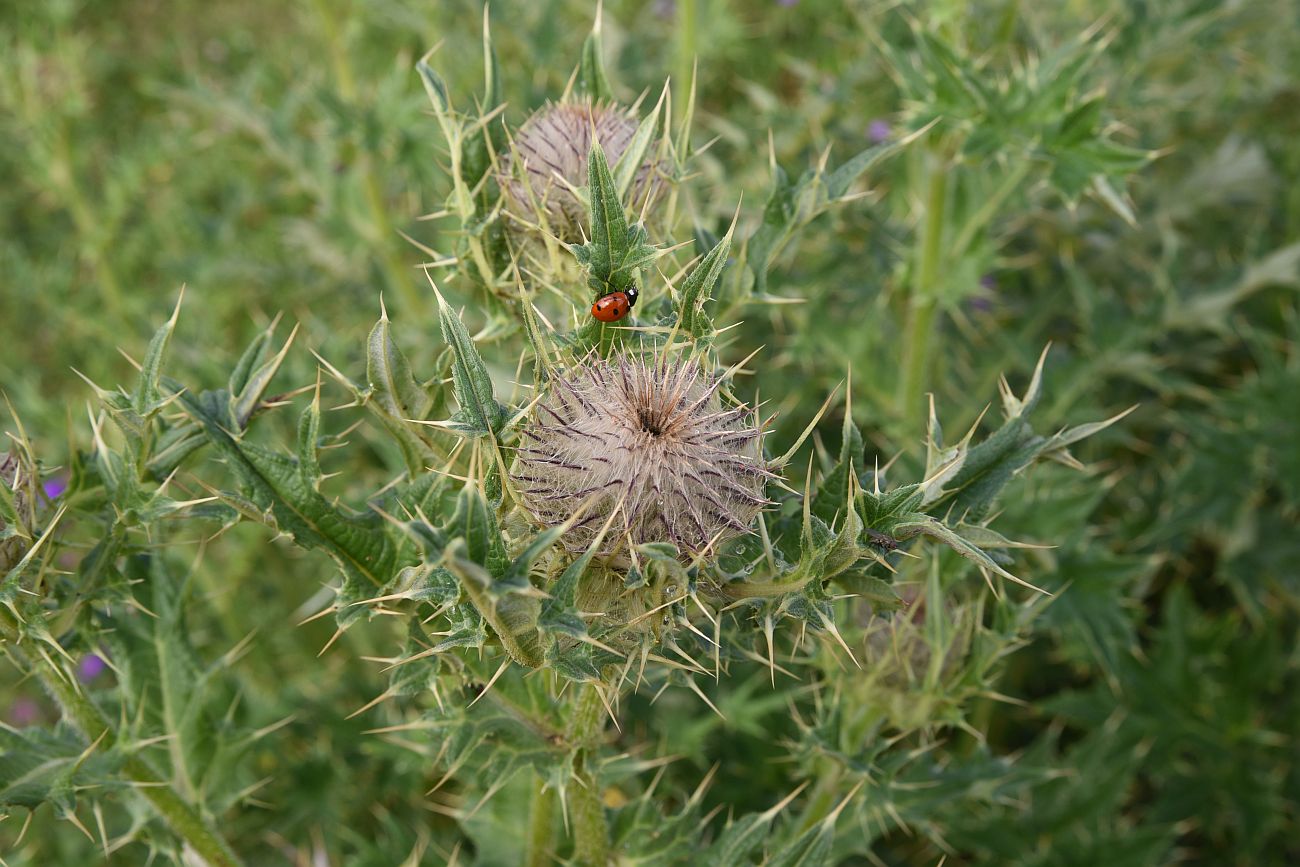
(653, 435)
(548, 163)
(12, 545)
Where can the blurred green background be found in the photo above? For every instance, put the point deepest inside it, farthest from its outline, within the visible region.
(271, 156)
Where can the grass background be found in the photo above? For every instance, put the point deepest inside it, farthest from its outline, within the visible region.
(268, 155)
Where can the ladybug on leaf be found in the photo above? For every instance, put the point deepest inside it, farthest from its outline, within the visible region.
(615, 305)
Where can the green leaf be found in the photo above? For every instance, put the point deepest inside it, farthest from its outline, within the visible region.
(475, 523)
(879, 593)
(49, 766)
(253, 356)
(882, 511)
(167, 691)
(924, 524)
(592, 79)
(435, 87)
(777, 223)
(741, 837)
(634, 155)
(559, 612)
(615, 251)
(516, 576)
(514, 725)
(839, 181)
(253, 374)
(987, 467)
(812, 848)
(388, 373)
(541, 342)
(512, 616)
(172, 447)
(738, 841)
(792, 206)
(608, 222)
(383, 401)
(698, 287)
(478, 413)
(574, 662)
(282, 489)
(486, 138)
(148, 399)
(832, 494)
(491, 67)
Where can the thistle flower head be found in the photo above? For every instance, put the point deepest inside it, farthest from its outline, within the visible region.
(548, 162)
(649, 439)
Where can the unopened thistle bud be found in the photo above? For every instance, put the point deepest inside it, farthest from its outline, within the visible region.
(548, 162)
(650, 439)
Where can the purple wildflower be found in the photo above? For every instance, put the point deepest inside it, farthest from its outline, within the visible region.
(879, 131)
(90, 667)
(55, 486)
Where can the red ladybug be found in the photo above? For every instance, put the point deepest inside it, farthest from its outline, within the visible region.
(615, 305)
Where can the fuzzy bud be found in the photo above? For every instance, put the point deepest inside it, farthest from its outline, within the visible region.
(652, 435)
(549, 161)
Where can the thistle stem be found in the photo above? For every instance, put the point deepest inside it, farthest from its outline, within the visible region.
(687, 46)
(540, 821)
(86, 717)
(590, 832)
(922, 302)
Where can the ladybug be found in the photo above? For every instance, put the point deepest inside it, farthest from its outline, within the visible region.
(615, 305)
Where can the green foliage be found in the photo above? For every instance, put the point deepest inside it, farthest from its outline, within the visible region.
(47, 766)
(251, 613)
(616, 252)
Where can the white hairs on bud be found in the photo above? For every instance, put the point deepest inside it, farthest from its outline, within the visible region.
(653, 435)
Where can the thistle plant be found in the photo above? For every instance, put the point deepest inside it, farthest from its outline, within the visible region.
(623, 530)
(567, 553)
(1040, 124)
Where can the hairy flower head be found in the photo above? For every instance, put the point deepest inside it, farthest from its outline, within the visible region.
(650, 438)
(548, 162)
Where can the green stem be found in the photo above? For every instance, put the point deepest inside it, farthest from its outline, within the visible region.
(541, 821)
(82, 713)
(590, 832)
(686, 49)
(764, 589)
(923, 303)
